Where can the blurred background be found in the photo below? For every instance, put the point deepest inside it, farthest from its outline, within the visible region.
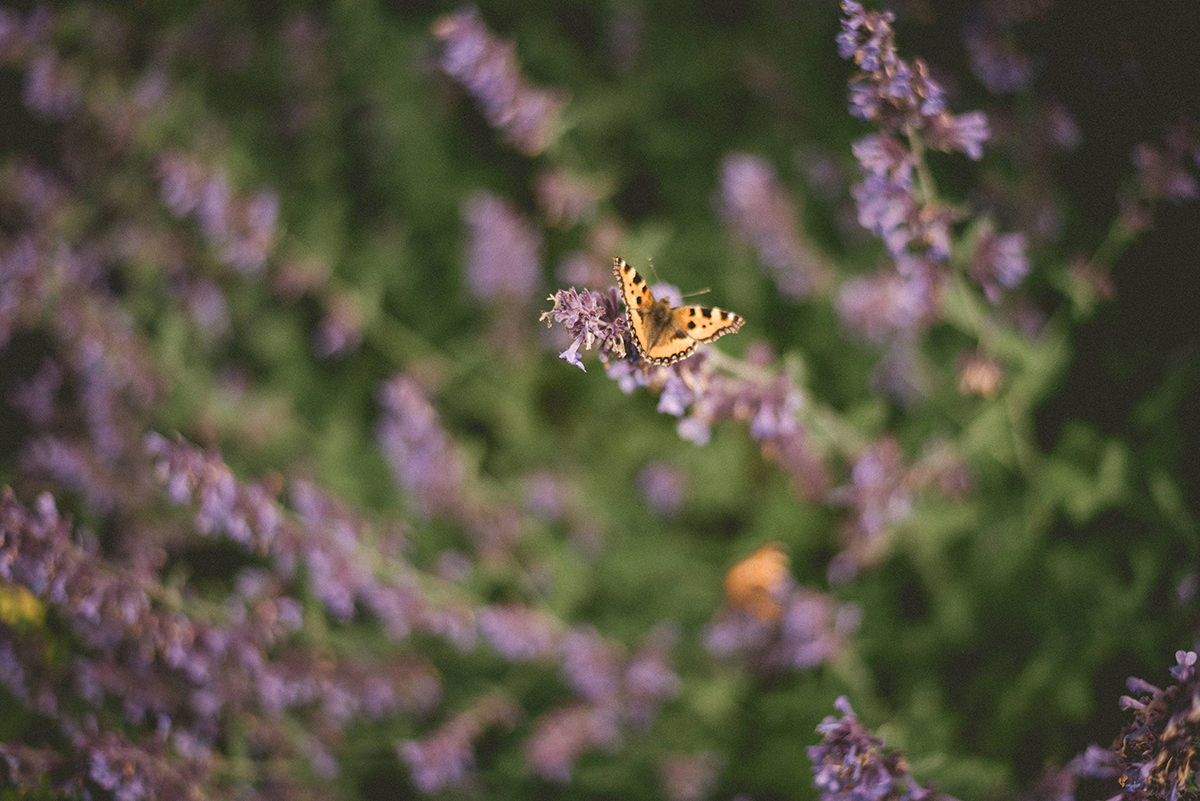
(304, 503)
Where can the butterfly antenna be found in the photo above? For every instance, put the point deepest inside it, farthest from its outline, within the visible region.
(653, 271)
(697, 292)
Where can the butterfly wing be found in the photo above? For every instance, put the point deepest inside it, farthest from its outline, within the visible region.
(704, 323)
(671, 345)
(639, 300)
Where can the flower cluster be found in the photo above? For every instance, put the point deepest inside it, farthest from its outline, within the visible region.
(487, 67)
(503, 249)
(330, 541)
(880, 307)
(445, 759)
(896, 199)
(426, 465)
(421, 456)
(592, 320)
(1165, 171)
(565, 199)
(899, 96)
(1156, 753)
(879, 496)
(755, 206)
(616, 691)
(850, 764)
(996, 62)
(772, 624)
(703, 392)
(612, 692)
(177, 674)
(242, 231)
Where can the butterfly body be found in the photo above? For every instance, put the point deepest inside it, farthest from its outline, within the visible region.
(665, 334)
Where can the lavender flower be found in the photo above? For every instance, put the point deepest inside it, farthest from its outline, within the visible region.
(247, 515)
(880, 497)
(563, 735)
(1166, 170)
(850, 764)
(565, 199)
(758, 210)
(889, 204)
(995, 61)
(964, 133)
(19, 35)
(206, 304)
(867, 38)
(999, 263)
(39, 194)
(487, 67)
(886, 305)
(591, 665)
(648, 680)
(325, 537)
(807, 630)
(592, 319)
(519, 634)
(340, 331)
(503, 249)
(22, 285)
(442, 760)
(32, 770)
(108, 608)
(617, 690)
(445, 759)
(200, 669)
(242, 231)
(909, 107)
(1157, 751)
(1055, 784)
(664, 488)
(770, 403)
(52, 87)
(420, 453)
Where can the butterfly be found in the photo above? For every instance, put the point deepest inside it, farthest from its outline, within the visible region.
(759, 583)
(665, 334)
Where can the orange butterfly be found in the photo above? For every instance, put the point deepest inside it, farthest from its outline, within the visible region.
(666, 334)
(758, 583)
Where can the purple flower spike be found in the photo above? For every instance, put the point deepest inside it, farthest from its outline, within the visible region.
(849, 764)
(418, 449)
(758, 210)
(910, 110)
(487, 67)
(592, 319)
(1156, 753)
(504, 250)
